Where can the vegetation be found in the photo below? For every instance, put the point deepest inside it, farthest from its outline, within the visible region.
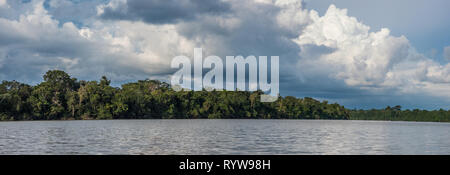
(396, 114)
(61, 97)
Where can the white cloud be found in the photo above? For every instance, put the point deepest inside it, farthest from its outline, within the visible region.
(4, 3)
(292, 16)
(368, 60)
(124, 50)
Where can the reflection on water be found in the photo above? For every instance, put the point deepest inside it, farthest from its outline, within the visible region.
(223, 137)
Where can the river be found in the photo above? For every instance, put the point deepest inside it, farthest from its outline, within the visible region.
(223, 137)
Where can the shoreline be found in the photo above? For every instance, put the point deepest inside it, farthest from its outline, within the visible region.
(413, 121)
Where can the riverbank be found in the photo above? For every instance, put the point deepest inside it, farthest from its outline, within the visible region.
(395, 114)
(351, 119)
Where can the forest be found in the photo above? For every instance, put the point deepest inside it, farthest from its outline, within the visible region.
(61, 97)
(396, 114)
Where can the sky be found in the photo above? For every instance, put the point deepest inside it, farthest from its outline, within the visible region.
(423, 22)
(361, 54)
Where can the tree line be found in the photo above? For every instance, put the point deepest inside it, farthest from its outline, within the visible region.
(396, 114)
(61, 97)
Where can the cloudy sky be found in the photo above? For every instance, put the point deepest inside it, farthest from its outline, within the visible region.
(362, 54)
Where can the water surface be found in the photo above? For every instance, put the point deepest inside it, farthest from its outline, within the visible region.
(223, 137)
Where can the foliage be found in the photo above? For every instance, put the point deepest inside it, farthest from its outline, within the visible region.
(61, 97)
(396, 114)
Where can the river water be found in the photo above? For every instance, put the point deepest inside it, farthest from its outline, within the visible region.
(223, 137)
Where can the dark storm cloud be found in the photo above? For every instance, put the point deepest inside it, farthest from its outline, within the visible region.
(165, 11)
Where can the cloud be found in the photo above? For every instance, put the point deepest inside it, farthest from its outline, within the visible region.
(3, 3)
(122, 50)
(447, 53)
(333, 57)
(161, 11)
(374, 61)
(78, 12)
